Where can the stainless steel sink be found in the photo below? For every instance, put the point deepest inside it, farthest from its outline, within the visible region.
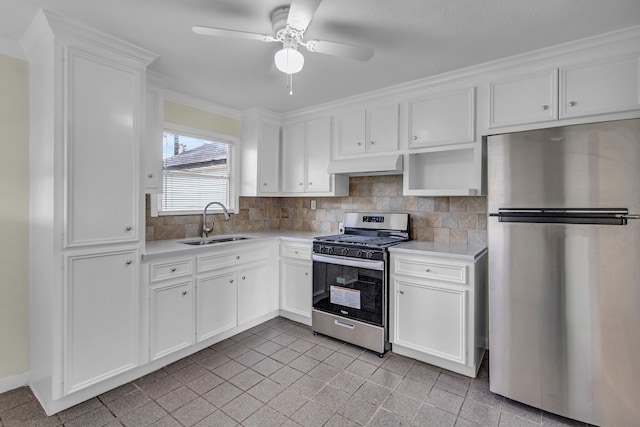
(214, 240)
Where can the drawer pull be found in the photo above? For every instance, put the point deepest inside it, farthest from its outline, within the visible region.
(184, 293)
(238, 257)
(428, 270)
(243, 278)
(231, 281)
(128, 262)
(295, 252)
(343, 324)
(173, 269)
(401, 292)
(306, 274)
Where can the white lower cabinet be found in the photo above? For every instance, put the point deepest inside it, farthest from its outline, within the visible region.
(101, 317)
(257, 292)
(296, 283)
(438, 310)
(172, 324)
(217, 304)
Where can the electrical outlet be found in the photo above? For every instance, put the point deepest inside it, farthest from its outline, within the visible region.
(341, 228)
(313, 205)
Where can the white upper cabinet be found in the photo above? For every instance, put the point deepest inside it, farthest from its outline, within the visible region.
(293, 158)
(152, 140)
(269, 158)
(306, 153)
(442, 118)
(318, 136)
(527, 98)
(102, 128)
(373, 130)
(600, 87)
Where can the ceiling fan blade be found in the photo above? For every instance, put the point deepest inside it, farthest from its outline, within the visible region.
(359, 53)
(222, 32)
(301, 12)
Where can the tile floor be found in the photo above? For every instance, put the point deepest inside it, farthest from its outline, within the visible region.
(279, 373)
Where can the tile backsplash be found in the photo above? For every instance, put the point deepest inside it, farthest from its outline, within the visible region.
(434, 219)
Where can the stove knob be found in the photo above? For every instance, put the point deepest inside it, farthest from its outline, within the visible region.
(359, 253)
(330, 250)
(323, 249)
(345, 251)
(369, 254)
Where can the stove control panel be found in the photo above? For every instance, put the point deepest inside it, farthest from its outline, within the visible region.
(348, 251)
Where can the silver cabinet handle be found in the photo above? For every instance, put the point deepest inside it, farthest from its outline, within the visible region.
(128, 262)
(572, 104)
(428, 270)
(265, 184)
(310, 183)
(401, 292)
(243, 278)
(372, 142)
(231, 281)
(150, 175)
(173, 269)
(545, 107)
(306, 274)
(127, 228)
(299, 183)
(414, 137)
(359, 143)
(237, 256)
(184, 293)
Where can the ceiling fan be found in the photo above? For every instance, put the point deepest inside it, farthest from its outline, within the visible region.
(289, 24)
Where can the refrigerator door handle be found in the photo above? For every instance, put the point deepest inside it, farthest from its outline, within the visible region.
(601, 216)
(629, 216)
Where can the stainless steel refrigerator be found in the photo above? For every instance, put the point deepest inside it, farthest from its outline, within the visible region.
(564, 270)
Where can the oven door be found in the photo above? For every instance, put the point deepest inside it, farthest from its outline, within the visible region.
(350, 287)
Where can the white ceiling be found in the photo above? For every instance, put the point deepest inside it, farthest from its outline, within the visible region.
(412, 39)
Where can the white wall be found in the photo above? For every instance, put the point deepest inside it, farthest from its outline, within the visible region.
(14, 217)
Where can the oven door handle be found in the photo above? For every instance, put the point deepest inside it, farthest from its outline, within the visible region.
(350, 262)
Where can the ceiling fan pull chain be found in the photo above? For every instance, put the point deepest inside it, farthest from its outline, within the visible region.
(290, 83)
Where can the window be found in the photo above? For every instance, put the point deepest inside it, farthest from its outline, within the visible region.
(197, 169)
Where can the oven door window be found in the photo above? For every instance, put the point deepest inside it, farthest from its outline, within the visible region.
(354, 292)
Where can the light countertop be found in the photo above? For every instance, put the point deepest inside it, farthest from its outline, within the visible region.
(161, 248)
(463, 252)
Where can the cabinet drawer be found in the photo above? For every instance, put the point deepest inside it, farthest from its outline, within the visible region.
(168, 270)
(431, 270)
(218, 260)
(290, 250)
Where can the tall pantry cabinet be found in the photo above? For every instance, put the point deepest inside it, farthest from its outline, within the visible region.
(87, 94)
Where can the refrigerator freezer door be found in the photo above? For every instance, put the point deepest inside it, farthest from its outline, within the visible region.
(564, 298)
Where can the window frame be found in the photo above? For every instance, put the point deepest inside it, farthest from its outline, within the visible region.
(234, 170)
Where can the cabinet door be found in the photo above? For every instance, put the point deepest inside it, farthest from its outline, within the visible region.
(269, 158)
(217, 303)
(602, 87)
(152, 142)
(382, 128)
(296, 287)
(102, 120)
(257, 292)
(293, 158)
(101, 317)
(528, 98)
(431, 319)
(442, 118)
(318, 155)
(351, 133)
(172, 318)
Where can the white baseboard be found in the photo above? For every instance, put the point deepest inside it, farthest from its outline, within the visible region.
(14, 381)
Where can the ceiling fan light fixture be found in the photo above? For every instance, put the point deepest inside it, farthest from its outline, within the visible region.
(289, 60)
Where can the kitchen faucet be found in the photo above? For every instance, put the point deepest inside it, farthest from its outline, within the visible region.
(205, 230)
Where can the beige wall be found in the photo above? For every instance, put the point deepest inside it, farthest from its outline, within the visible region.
(14, 217)
(199, 119)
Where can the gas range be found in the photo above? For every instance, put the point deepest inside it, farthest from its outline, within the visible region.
(350, 279)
